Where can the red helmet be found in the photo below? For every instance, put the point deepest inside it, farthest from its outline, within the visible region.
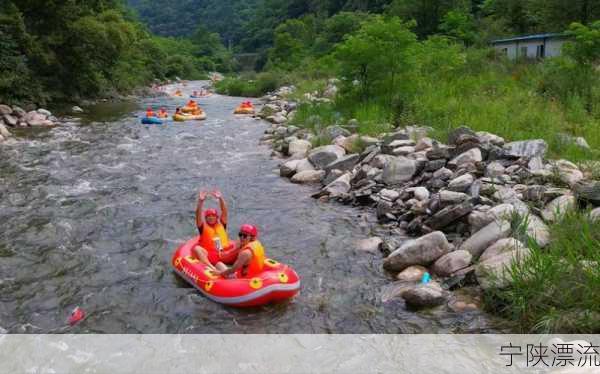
(149, 108)
(210, 212)
(249, 230)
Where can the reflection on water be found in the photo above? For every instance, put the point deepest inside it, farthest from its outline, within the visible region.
(90, 215)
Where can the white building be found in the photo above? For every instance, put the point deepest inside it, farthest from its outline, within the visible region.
(530, 46)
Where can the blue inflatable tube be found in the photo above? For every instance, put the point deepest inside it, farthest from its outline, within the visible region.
(151, 121)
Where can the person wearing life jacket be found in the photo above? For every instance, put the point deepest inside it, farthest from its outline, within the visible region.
(149, 112)
(212, 228)
(250, 259)
(192, 104)
(163, 113)
(195, 93)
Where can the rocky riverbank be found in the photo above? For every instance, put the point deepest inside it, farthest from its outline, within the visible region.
(474, 206)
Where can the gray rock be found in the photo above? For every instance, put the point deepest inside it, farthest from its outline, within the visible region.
(4, 131)
(5, 109)
(277, 118)
(421, 251)
(340, 186)
(333, 132)
(494, 271)
(372, 244)
(500, 247)
(400, 135)
(488, 235)
(10, 120)
(451, 263)
(325, 155)
(401, 143)
(389, 195)
(332, 176)
(436, 165)
(2, 139)
(486, 137)
(403, 151)
(380, 161)
(304, 165)
(567, 171)
(595, 214)
(455, 135)
(425, 295)
(472, 156)
(449, 215)
(18, 112)
(399, 170)
(287, 169)
(451, 197)
(588, 191)
(536, 164)
(343, 163)
(494, 170)
(443, 174)
(421, 193)
(462, 183)
(299, 147)
(538, 230)
(526, 148)
(412, 274)
(76, 109)
(423, 144)
(558, 207)
(44, 112)
(308, 176)
(438, 152)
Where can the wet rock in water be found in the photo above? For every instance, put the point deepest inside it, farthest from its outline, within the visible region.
(449, 215)
(461, 184)
(372, 244)
(412, 273)
(288, 168)
(526, 148)
(299, 147)
(304, 165)
(483, 238)
(421, 251)
(332, 176)
(558, 208)
(451, 263)
(493, 272)
(500, 247)
(425, 295)
(595, 214)
(325, 155)
(471, 156)
(398, 170)
(344, 163)
(308, 176)
(339, 187)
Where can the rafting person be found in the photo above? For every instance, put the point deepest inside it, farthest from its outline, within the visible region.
(192, 104)
(250, 259)
(149, 112)
(162, 113)
(213, 245)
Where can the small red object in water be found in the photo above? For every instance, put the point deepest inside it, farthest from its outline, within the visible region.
(76, 315)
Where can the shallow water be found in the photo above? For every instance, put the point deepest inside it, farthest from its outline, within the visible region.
(90, 215)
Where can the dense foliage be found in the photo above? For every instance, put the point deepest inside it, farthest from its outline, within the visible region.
(72, 50)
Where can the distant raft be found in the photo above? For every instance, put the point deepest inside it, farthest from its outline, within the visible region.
(276, 283)
(151, 121)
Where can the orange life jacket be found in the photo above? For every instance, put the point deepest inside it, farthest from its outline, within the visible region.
(257, 262)
(149, 113)
(213, 236)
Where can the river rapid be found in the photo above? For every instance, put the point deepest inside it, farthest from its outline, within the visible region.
(91, 212)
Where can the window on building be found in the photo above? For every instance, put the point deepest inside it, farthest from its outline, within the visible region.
(504, 51)
(540, 51)
(523, 53)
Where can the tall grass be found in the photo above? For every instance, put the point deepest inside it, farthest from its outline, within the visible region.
(556, 289)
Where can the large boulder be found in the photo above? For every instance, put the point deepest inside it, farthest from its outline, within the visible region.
(287, 169)
(558, 207)
(343, 163)
(44, 112)
(333, 132)
(4, 131)
(494, 271)
(567, 171)
(421, 251)
(538, 230)
(449, 215)
(339, 187)
(487, 137)
(500, 247)
(471, 156)
(304, 165)
(526, 148)
(462, 183)
(325, 155)
(451, 263)
(399, 170)
(10, 120)
(425, 295)
(485, 237)
(308, 176)
(299, 147)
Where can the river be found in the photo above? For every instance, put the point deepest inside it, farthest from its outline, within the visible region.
(91, 212)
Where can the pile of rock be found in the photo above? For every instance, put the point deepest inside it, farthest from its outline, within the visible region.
(17, 117)
(463, 200)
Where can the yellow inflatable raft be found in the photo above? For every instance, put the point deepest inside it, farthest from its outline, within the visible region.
(189, 117)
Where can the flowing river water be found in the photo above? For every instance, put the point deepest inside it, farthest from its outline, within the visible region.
(91, 212)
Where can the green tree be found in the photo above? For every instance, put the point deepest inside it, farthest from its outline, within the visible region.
(460, 26)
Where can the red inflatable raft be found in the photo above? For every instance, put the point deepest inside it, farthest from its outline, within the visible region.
(277, 282)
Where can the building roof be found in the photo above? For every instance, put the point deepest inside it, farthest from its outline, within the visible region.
(550, 35)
